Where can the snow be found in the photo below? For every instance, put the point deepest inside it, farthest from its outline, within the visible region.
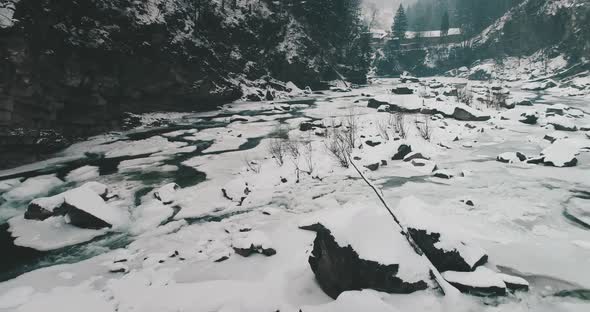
(517, 218)
(33, 187)
(7, 185)
(88, 201)
(515, 280)
(354, 301)
(50, 234)
(482, 277)
(16, 297)
(82, 174)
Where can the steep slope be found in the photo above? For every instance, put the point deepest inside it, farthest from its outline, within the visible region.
(539, 24)
(77, 64)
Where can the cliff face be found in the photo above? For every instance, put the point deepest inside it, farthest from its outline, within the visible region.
(77, 65)
(539, 24)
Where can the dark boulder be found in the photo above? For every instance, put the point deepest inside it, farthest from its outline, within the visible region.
(247, 252)
(529, 118)
(402, 151)
(402, 90)
(339, 269)
(448, 260)
(465, 115)
(305, 126)
(373, 166)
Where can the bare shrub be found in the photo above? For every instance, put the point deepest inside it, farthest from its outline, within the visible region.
(424, 128)
(278, 150)
(383, 126)
(252, 165)
(399, 125)
(338, 145)
(465, 96)
(352, 127)
(308, 154)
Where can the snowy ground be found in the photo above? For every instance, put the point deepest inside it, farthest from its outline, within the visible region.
(175, 251)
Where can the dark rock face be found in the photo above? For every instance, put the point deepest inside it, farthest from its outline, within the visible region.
(529, 119)
(480, 74)
(372, 167)
(252, 250)
(35, 212)
(402, 90)
(373, 103)
(464, 115)
(443, 260)
(572, 163)
(338, 269)
(83, 219)
(402, 151)
(481, 291)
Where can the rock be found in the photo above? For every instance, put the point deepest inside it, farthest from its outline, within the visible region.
(415, 155)
(85, 209)
(250, 242)
(482, 281)
(442, 174)
(529, 118)
(562, 153)
(237, 118)
(394, 104)
(561, 123)
(305, 126)
(514, 283)
(511, 157)
(405, 77)
(539, 86)
(379, 258)
(508, 104)
(167, 193)
(535, 160)
(383, 108)
(402, 151)
(373, 166)
(448, 254)
(45, 207)
(469, 203)
(480, 74)
(320, 132)
(372, 143)
(554, 136)
(558, 109)
(435, 85)
(402, 90)
(467, 114)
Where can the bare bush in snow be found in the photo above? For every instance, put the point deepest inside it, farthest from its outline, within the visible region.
(424, 128)
(337, 144)
(399, 125)
(308, 154)
(465, 96)
(278, 150)
(252, 165)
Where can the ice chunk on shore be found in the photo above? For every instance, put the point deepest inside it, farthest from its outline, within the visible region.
(33, 187)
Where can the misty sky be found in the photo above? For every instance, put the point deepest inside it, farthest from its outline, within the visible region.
(385, 14)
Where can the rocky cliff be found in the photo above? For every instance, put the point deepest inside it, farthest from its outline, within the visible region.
(74, 67)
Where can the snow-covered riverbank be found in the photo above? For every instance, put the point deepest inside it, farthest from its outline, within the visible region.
(226, 237)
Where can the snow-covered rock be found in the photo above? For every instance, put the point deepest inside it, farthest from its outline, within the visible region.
(562, 123)
(511, 157)
(85, 209)
(482, 281)
(361, 247)
(83, 174)
(45, 207)
(529, 117)
(246, 243)
(539, 86)
(444, 247)
(383, 108)
(33, 187)
(406, 104)
(562, 153)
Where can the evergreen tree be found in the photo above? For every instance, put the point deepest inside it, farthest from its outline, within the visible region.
(400, 24)
(444, 25)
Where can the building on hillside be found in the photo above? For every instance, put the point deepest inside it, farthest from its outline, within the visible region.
(417, 39)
